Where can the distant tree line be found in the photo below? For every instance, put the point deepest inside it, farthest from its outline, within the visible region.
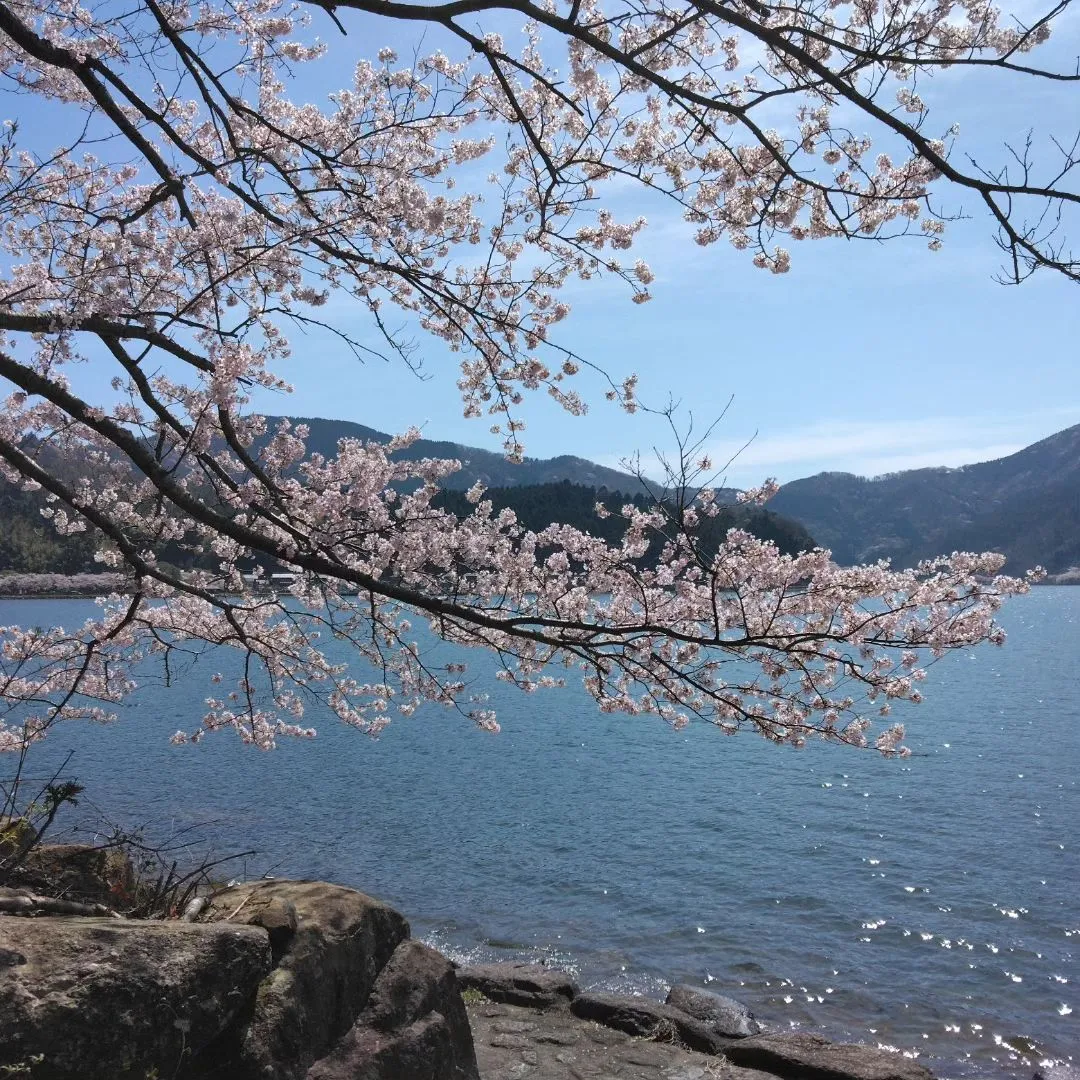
(567, 503)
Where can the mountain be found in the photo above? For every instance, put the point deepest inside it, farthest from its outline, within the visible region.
(491, 468)
(541, 492)
(1026, 505)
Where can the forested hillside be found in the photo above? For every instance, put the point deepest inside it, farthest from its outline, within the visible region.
(29, 544)
(539, 505)
(1026, 505)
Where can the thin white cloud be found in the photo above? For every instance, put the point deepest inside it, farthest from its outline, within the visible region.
(870, 448)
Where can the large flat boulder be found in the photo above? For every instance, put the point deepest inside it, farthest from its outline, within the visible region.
(724, 1015)
(111, 999)
(648, 1019)
(803, 1056)
(283, 980)
(330, 944)
(530, 985)
(414, 1026)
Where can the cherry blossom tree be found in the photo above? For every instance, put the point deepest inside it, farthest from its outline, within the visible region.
(180, 209)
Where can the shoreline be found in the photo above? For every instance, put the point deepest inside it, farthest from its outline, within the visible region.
(497, 1021)
(1022, 1057)
(552, 735)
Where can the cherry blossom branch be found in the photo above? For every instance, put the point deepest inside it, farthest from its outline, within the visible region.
(188, 226)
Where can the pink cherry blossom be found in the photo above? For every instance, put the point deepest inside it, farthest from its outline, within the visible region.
(183, 227)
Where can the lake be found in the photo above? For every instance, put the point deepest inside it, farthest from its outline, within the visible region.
(931, 904)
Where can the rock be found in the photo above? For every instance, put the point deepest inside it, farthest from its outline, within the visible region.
(724, 1015)
(509, 1042)
(276, 915)
(557, 1038)
(1022, 1044)
(11, 958)
(82, 872)
(417, 980)
(648, 1019)
(366, 1054)
(561, 1046)
(327, 966)
(414, 1026)
(513, 1027)
(635, 1016)
(519, 984)
(281, 981)
(810, 1057)
(108, 999)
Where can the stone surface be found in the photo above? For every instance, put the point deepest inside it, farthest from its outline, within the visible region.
(560, 1046)
(530, 985)
(366, 1054)
(326, 969)
(647, 1019)
(83, 872)
(414, 1026)
(724, 1015)
(109, 999)
(810, 1057)
(275, 914)
(279, 981)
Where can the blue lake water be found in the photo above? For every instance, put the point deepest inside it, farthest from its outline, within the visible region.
(931, 905)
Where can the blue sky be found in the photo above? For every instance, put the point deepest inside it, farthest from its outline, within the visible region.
(863, 358)
(866, 357)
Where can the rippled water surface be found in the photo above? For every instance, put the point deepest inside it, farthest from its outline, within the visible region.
(931, 905)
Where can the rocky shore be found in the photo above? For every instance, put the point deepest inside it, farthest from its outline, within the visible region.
(303, 980)
(534, 1022)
